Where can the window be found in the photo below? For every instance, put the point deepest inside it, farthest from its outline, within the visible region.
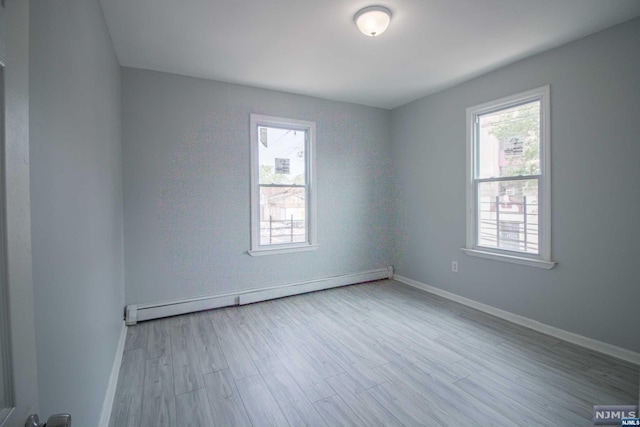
(282, 185)
(508, 185)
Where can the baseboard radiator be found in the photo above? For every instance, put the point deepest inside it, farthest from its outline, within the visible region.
(139, 312)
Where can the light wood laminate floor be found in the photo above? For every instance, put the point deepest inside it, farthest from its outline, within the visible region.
(373, 354)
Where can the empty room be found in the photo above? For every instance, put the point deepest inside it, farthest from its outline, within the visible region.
(319, 212)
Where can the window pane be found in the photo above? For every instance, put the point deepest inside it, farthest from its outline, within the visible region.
(282, 215)
(281, 154)
(509, 142)
(508, 215)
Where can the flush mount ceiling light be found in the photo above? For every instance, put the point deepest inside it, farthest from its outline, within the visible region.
(373, 20)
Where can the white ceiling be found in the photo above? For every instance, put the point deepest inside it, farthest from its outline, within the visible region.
(312, 47)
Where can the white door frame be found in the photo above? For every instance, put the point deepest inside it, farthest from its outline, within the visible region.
(15, 154)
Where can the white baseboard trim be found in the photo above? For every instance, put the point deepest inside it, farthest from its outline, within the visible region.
(590, 343)
(107, 404)
(140, 312)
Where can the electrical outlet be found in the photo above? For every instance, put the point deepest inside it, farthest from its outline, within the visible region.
(454, 266)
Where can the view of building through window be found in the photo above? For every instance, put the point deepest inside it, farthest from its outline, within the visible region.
(283, 185)
(508, 177)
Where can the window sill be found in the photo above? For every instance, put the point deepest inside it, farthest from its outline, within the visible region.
(286, 250)
(538, 263)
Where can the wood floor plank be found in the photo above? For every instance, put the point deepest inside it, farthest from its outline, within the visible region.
(249, 333)
(262, 315)
(445, 402)
(621, 378)
(536, 402)
(279, 339)
(578, 368)
(535, 384)
(593, 358)
(372, 338)
(292, 401)
(362, 402)
(444, 369)
(509, 330)
(287, 315)
(127, 405)
(398, 334)
(187, 373)
(203, 332)
(193, 409)
(241, 315)
(311, 383)
(178, 320)
(293, 310)
(394, 400)
(571, 382)
(305, 305)
(574, 381)
(277, 316)
(260, 403)
(337, 413)
(158, 339)
(238, 358)
(225, 402)
(378, 353)
(518, 414)
(347, 359)
(210, 354)
(320, 360)
(257, 346)
(543, 354)
(136, 336)
(158, 398)
(359, 344)
(212, 358)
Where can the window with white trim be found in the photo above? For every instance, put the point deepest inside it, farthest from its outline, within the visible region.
(282, 185)
(508, 184)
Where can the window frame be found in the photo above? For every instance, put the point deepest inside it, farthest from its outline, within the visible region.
(543, 258)
(309, 127)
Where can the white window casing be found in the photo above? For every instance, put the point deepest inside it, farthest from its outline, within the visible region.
(267, 238)
(538, 254)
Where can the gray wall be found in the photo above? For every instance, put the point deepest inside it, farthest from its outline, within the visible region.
(595, 131)
(76, 196)
(186, 187)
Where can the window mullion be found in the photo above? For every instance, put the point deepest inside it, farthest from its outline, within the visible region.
(508, 178)
(283, 185)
